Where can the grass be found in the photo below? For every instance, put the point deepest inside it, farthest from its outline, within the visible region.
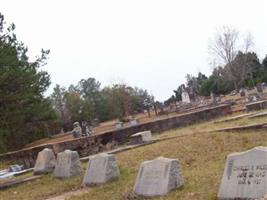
(202, 157)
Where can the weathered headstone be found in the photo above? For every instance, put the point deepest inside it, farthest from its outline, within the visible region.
(245, 175)
(243, 92)
(119, 125)
(134, 122)
(77, 130)
(45, 162)
(185, 97)
(67, 164)
(157, 177)
(141, 137)
(101, 169)
(259, 88)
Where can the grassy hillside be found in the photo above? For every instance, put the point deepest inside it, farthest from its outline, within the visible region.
(202, 156)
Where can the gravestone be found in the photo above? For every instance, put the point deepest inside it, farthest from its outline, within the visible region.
(185, 97)
(45, 162)
(119, 125)
(141, 137)
(245, 175)
(77, 130)
(67, 164)
(101, 169)
(243, 92)
(259, 88)
(134, 122)
(157, 177)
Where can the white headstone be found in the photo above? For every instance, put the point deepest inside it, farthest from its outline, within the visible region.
(101, 169)
(185, 97)
(67, 164)
(45, 162)
(146, 136)
(245, 175)
(158, 177)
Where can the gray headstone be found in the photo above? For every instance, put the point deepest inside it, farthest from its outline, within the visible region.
(158, 177)
(144, 136)
(243, 92)
(45, 162)
(245, 175)
(67, 164)
(134, 122)
(119, 125)
(101, 169)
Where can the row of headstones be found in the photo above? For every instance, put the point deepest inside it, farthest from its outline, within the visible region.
(245, 174)
(155, 178)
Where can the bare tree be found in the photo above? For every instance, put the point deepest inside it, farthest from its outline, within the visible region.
(225, 47)
(248, 43)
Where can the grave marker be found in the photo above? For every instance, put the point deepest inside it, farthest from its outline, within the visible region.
(141, 137)
(101, 169)
(67, 164)
(157, 177)
(45, 162)
(245, 175)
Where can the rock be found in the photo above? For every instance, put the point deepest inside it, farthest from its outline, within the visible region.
(157, 177)
(141, 137)
(67, 164)
(101, 169)
(45, 162)
(245, 175)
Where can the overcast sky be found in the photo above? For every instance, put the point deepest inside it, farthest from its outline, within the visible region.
(146, 43)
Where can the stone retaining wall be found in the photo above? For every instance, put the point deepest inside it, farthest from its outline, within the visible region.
(259, 105)
(94, 144)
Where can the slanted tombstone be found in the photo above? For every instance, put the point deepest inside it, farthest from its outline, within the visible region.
(245, 175)
(157, 177)
(67, 164)
(45, 162)
(101, 169)
(141, 137)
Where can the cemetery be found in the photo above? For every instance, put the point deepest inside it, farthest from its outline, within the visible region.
(127, 109)
(188, 162)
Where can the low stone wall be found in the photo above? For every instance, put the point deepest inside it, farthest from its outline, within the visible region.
(94, 144)
(256, 106)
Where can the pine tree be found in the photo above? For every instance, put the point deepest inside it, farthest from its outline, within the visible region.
(25, 113)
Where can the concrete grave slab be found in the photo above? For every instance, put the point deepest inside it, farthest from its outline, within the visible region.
(101, 169)
(245, 175)
(45, 162)
(67, 164)
(141, 137)
(157, 177)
